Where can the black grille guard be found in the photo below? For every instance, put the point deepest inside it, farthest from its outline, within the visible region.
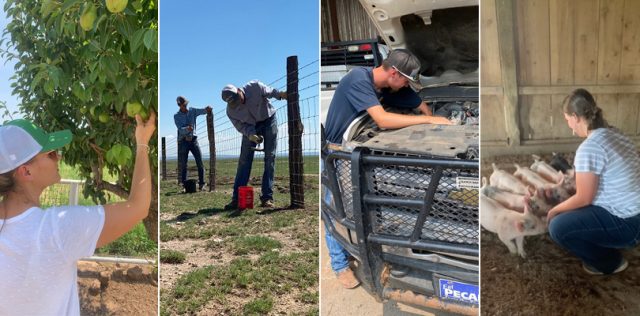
(410, 202)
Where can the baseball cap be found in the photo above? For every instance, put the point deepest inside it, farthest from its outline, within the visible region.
(230, 95)
(182, 100)
(21, 140)
(405, 63)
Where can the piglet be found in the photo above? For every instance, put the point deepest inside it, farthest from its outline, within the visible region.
(510, 200)
(509, 225)
(546, 171)
(559, 163)
(528, 176)
(506, 181)
(570, 181)
(538, 203)
(554, 192)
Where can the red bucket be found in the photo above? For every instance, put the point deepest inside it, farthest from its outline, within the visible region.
(245, 197)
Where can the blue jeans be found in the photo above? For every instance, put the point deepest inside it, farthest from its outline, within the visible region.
(338, 255)
(184, 147)
(269, 130)
(595, 235)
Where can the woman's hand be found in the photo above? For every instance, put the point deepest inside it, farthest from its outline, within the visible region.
(551, 214)
(144, 130)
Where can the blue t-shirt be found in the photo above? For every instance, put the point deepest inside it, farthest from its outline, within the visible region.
(355, 94)
(183, 120)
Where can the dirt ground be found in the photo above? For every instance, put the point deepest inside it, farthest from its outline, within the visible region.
(117, 289)
(276, 274)
(550, 281)
(337, 301)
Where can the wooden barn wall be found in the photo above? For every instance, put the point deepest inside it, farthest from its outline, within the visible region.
(560, 45)
(352, 21)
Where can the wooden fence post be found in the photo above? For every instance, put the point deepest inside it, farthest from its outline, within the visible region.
(164, 159)
(178, 155)
(212, 152)
(296, 170)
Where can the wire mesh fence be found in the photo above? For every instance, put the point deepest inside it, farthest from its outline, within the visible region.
(301, 107)
(69, 192)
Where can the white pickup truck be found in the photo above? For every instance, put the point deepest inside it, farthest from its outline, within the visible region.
(404, 202)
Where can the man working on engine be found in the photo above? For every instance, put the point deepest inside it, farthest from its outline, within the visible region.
(367, 89)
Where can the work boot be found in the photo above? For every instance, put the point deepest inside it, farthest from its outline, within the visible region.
(237, 212)
(347, 278)
(267, 203)
(231, 206)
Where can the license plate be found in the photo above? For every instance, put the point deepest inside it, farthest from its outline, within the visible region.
(458, 291)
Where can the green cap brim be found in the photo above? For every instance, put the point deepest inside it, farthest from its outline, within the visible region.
(57, 140)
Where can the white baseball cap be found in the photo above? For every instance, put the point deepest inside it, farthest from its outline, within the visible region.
(21, 140)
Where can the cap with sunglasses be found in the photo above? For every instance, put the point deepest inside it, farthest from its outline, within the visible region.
(230, 95)
(182, 101)
(405, 63)
(21, 140)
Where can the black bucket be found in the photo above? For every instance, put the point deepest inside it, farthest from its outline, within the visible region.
(190, 186)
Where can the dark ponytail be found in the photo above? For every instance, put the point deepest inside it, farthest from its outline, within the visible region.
(581, 103)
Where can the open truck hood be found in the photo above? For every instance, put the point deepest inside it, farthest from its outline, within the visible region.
(443, 34)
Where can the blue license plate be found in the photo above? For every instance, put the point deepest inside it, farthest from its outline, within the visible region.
(458, 291)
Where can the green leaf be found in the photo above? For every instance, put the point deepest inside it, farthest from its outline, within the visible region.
(119, 107)
(54, 74)
(102, 18)
(112, 64)
(119, 154)
(123, 27)
(68, 4)
(110, 156)
(136, 56)
(77, 91)
(49, 87)
(47, 7)
(95, 45)
(136, 39)
(151, 40)
(36, 80)
(125, 156)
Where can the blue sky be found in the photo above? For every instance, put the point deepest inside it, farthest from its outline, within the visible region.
(205, 45)
(6, 71)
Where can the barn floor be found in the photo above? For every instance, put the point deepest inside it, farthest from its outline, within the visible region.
(550, 281)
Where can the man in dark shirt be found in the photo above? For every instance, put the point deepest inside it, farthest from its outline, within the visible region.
(185, 120)
(366, 89)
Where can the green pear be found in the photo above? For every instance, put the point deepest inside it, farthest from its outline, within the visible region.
(115, 6)
(133, 108)
(103, 117)
(88, 17)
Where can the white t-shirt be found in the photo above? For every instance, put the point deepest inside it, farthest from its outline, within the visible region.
(38, 254)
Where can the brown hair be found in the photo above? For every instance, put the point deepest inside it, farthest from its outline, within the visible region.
(581, 103)
(7, 183)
